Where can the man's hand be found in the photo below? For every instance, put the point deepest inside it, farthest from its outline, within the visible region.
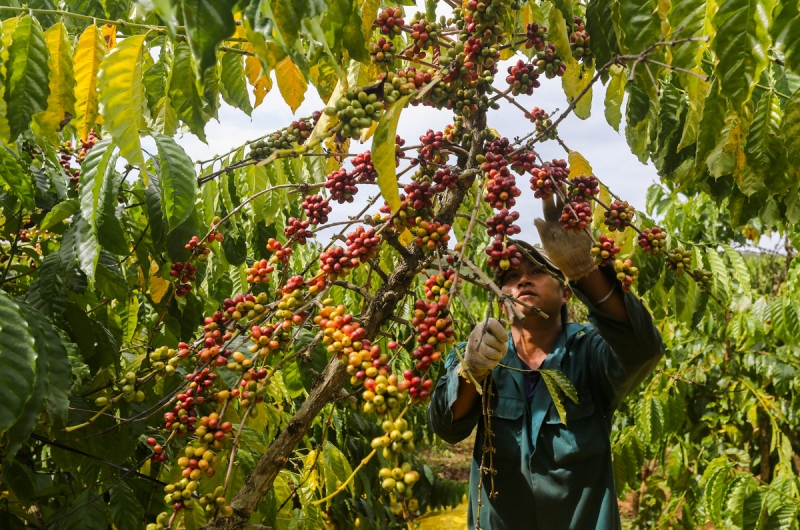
(483, 355)
(569, 251)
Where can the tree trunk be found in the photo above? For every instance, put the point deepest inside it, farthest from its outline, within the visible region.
(765, 442)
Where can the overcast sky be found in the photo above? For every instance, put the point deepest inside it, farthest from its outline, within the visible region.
(605, 149)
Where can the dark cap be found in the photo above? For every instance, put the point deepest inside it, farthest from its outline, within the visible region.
(537, 255)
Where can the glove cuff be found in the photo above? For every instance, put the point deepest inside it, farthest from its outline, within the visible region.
(577, 271)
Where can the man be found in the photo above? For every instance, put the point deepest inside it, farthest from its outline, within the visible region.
(550, 476)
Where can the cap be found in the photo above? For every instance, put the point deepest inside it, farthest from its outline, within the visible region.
(538, 254)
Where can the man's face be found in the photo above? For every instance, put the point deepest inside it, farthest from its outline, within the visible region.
(533, 285)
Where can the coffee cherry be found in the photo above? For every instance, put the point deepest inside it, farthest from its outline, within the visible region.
(653, 240)
(679, 260)
(382, 53)
(502, 223)
(444, 180)
(281, 252)
(356, 110)
(431, 150)
(522, 78)
(575, 216)
(704, 278)
(626, 273)
(337, 262)
(579, 42)
(542, 184)
(619, 215)
(523, 161)
(503, 256)
(259, 272)
(604, 250)
(548, 62)
(543, 123)
(184, 272)
(316, 209)
(363, 170)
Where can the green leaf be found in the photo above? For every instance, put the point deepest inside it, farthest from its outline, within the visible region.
(178, 181)
(337, 463)
(17, 361)
(600, 26)
(636, 24)
(790, 130)
(575, 79)
(59, 212)
(763, 147)
(85, 245)
(208, 23)
(715, 110)
(88, 56)
(61, 101)
(126, 512)
(615, 91)
(638, 105)
(258, 180)
(12, 174)
(232, 82)
(288, 16)
(122, 97)
(741, 45)
(110, 233)
(564, 384)
(691, 16)
(383, 153)
(90, 512)
(722, 286)
(649, 420)
(27, 87)
(753, 510)
(185, 98)
(739, 267)
(785, 33)
(553, 388)
(557, 33)
(96, 171)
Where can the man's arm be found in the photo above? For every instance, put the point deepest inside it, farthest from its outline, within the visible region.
(454, 408)
(597, 285)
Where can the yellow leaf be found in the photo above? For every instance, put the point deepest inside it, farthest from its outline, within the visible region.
(578, 165)
(8, 27)
(366, 134)
(326, 122)
(291, 83)
(576, 78)
(158, 285)
(333, 163)
(383, 153)
(258, 79)
(663, 9)
(61, 101)
(598, 215)
(557, 33)
(506, 53)
(122, 97)
(406, 237)
(369, 12)
(110, 35)
(87, 58)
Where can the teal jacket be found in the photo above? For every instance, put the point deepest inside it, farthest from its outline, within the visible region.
(550, 476)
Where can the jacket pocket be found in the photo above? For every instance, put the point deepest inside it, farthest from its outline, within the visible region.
(506, 426)
(583, 437)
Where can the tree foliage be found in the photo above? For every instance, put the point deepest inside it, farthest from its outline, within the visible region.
(177, 350)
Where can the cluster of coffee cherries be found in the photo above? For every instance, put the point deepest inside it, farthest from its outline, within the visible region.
(444, 179)
(679, 260)
(297, 132)
(363, 170)
(419, 389)
(316, 209)
(390, 21)
(502, 223)
(341, 333)
(253, 388)
(548, 62)
(584, 188)
(215, 335)
(535, 36)
(403, 440)
(626, 273)
(356, 111)
(127, 386)
(501, 188)
(404, 82)
(431, 235)
(503, 255)
(382, 53)
(653, 240)
(297, 230)
(576, 216)
(336, 262)
(543, 124)
(619, 215)
(439, 284)
(363, 244)
(159, 455)
(424, 35)
(282, 252)
(164, 358)
(522, 78)
(434, 330)
(341, 185)
(400, 479)
(259, 272)
(200, 248)
(431, 150)
(703, 277)
(604, 250)
(523, 161)
(579, 42)
(542, 183)
(86, 146)
(382, 392)
(67, 151)
(265, 339)
(244, 306)
(184, 272)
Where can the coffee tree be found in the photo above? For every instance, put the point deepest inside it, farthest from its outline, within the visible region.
(177, 350)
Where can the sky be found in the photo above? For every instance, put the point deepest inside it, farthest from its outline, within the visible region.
(604, 148)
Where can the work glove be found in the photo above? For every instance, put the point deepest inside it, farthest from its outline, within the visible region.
(483, 355)
(568, 250)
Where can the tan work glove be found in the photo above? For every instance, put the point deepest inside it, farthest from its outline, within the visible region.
(569, 251)
(480, 360)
